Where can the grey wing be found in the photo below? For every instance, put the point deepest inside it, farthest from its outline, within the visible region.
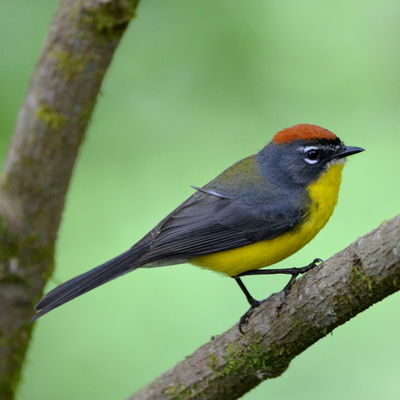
(209, 222)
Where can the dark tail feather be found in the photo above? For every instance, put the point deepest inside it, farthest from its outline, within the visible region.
(81, 284)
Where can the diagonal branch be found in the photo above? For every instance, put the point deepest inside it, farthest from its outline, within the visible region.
(49, 130)
(232, 364)
(38, 167)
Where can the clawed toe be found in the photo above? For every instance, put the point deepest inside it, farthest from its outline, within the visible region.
(294, 272)
(244, 319)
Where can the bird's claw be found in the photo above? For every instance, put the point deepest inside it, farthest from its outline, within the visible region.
(255, 303)
(244, 319)
(295, 272)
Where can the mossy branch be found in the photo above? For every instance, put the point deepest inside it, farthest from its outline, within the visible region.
(49, 130)
(232, 364)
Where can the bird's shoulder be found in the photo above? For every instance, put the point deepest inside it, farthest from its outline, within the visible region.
(238, 207)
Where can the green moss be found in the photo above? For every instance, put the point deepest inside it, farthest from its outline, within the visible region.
(176, 391)
(6, 390)
(9, 246)
(108, 18)
(26, 251)
(254, 358)
(259, 358)
(180, 392)
(233, 360)
(53, 119)
(104, 22)
(87, 110)
(14, 358)
(212, 361)
(358, 277)
(69, 64)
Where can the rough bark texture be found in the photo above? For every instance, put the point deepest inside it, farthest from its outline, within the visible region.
(38, 167)
(326, 297)
(49, 130)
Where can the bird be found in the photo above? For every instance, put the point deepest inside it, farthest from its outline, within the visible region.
(259, 211)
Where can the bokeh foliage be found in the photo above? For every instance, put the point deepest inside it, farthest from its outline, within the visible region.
(194, 87)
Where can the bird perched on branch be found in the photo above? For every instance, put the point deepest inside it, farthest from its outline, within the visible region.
(256, 213)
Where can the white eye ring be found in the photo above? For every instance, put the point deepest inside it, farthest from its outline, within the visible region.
(309, 149)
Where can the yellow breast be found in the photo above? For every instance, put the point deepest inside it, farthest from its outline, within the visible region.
(323, 194)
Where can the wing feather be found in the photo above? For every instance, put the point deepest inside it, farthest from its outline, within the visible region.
(213, 222)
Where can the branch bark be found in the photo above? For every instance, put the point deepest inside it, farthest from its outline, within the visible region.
(232, 364)
(38, 167)
(49, 130)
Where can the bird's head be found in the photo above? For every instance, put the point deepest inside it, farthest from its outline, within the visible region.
(300, 154)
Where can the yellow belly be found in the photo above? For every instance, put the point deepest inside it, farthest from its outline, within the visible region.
(323, 193)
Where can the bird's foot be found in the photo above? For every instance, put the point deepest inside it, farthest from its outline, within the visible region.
(244, 319)
(295, 272)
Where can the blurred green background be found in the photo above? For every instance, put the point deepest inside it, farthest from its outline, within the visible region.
(194, 87)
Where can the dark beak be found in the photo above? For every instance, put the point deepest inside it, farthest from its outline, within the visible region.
(348, 151)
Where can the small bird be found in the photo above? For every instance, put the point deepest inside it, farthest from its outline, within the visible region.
(256, 213)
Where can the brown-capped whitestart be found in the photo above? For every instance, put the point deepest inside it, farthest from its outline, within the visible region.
(256, 213)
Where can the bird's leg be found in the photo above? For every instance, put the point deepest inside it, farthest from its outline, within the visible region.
(255, 303)
(252, 301)
(291, 271)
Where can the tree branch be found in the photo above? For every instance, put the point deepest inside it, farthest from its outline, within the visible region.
(49, 130)
(232, 364)
(38, 167)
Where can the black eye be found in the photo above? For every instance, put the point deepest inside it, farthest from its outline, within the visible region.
(312, 155)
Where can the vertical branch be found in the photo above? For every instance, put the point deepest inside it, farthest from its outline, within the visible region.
(49, 130)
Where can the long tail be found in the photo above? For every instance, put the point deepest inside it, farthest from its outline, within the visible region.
(81, 284)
